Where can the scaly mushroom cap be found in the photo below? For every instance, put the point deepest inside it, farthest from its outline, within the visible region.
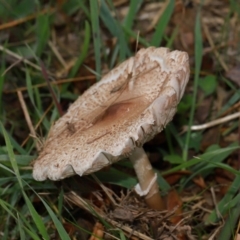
(130, 105)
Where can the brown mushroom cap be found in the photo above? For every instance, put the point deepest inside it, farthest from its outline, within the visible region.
(130, 105)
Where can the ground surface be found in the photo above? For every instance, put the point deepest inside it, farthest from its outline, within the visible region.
(52, 51)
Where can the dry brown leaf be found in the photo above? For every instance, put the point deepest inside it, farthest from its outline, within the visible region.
(98, 232)
(184, 19)
(173, 178)
(204, 108)
(174, 202)
(234, 74)
(238, 236)
(226, 174)
(200, 182)
(210, 137)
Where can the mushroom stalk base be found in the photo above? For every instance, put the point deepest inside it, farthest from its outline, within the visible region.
(147, 179)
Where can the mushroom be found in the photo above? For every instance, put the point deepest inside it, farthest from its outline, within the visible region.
(115, 117)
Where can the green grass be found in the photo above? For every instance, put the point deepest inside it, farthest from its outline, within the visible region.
(37, 210)
(198, 60)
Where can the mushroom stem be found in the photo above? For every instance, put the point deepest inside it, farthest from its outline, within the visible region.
(147, 178)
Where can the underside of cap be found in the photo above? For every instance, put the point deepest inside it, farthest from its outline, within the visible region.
(131, 104)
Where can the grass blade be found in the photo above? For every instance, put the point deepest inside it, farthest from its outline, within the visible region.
(162, 23)
(198, 62)
(211, 160)
(20, 228)
(224, 204)
(14, 143)
(61, 231)
(11, 155)
(10, 209)
(2, 78)
(84, 51)
(36, 218)
(42, 32)
(117, 177)
(29, 86)
(133, 9)
(164, 186)
(116, 30)
(96, 35)
(227, 232)
(108, 20)
(184, 165)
